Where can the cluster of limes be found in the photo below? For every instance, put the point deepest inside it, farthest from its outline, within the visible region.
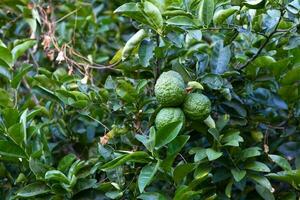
(177, 104)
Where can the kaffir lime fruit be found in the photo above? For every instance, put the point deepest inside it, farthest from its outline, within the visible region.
(170, 89)
(168, 115)
(197, 106)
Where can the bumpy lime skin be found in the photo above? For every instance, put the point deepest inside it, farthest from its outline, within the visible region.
(168, 115)
(172, 73)
(197, 106)
(170, 89)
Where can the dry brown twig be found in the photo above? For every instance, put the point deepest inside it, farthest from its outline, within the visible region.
(66, 53)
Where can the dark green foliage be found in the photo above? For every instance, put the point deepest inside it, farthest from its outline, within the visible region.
(78, 105)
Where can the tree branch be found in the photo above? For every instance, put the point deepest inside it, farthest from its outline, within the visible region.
(268, 38)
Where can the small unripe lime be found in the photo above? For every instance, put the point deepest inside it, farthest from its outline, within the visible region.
(168, 115)
(197, 106)
(257, 136)
(170, 89)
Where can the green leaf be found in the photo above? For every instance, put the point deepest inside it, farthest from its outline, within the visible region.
(146, 140)
(291, 76)
(215, 133)
(23, 121)
(5, 99)
(257, 166)
(33, 190)
(18, 77)
(66, 162)
(181, 171)
(114, 194)
(185, 192)
(222, 121)
(264, 193)
(152, 196)
(128, 8)
(255, 4)
(6, 56)
(10, 116)
(195, 85)
(117, 57)
(281, 161)
(138, 156)
(133, 11)
(5, 70)
(210, 122)
(260, 62)
(133, 43)
(221, 15)
(200, 153)
(202, 171)
(46, 93)
(232, 138)
(228, 189)
(206, 11)
(250, 152)
(154, 16)
(177, 144)
(173, 149)
(146, 175)
(292, 177)
(238, 175)
(261, 180)
(11, 150)
(126, 91)
(181, 21)
(58, 176)
(213, 81)
(21, 48)
(16, 133)
(146, 52)
(39, 169)
(228, 39)
(237, 107)
(167, 133)
(220, 58)
(213, 154)
(84, 184)
(80, 104)
(76, 167)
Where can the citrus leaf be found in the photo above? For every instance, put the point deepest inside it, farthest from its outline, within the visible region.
(167, 133)
(21, 48)
(257, 166)
(11, 150)
(221, 15)
(238, 175)
(181, 171)
(55, 175)
(255, 4)
(138, 156)
(281, 161)
(213, 154)
(33, 190)
(6, 56)
(181, 21)
(146, 175)
(154, 16)
(206, 11)
(152, 196)
(146, 52)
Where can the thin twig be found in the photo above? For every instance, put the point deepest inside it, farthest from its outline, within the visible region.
(67, 15)
(268, 38)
